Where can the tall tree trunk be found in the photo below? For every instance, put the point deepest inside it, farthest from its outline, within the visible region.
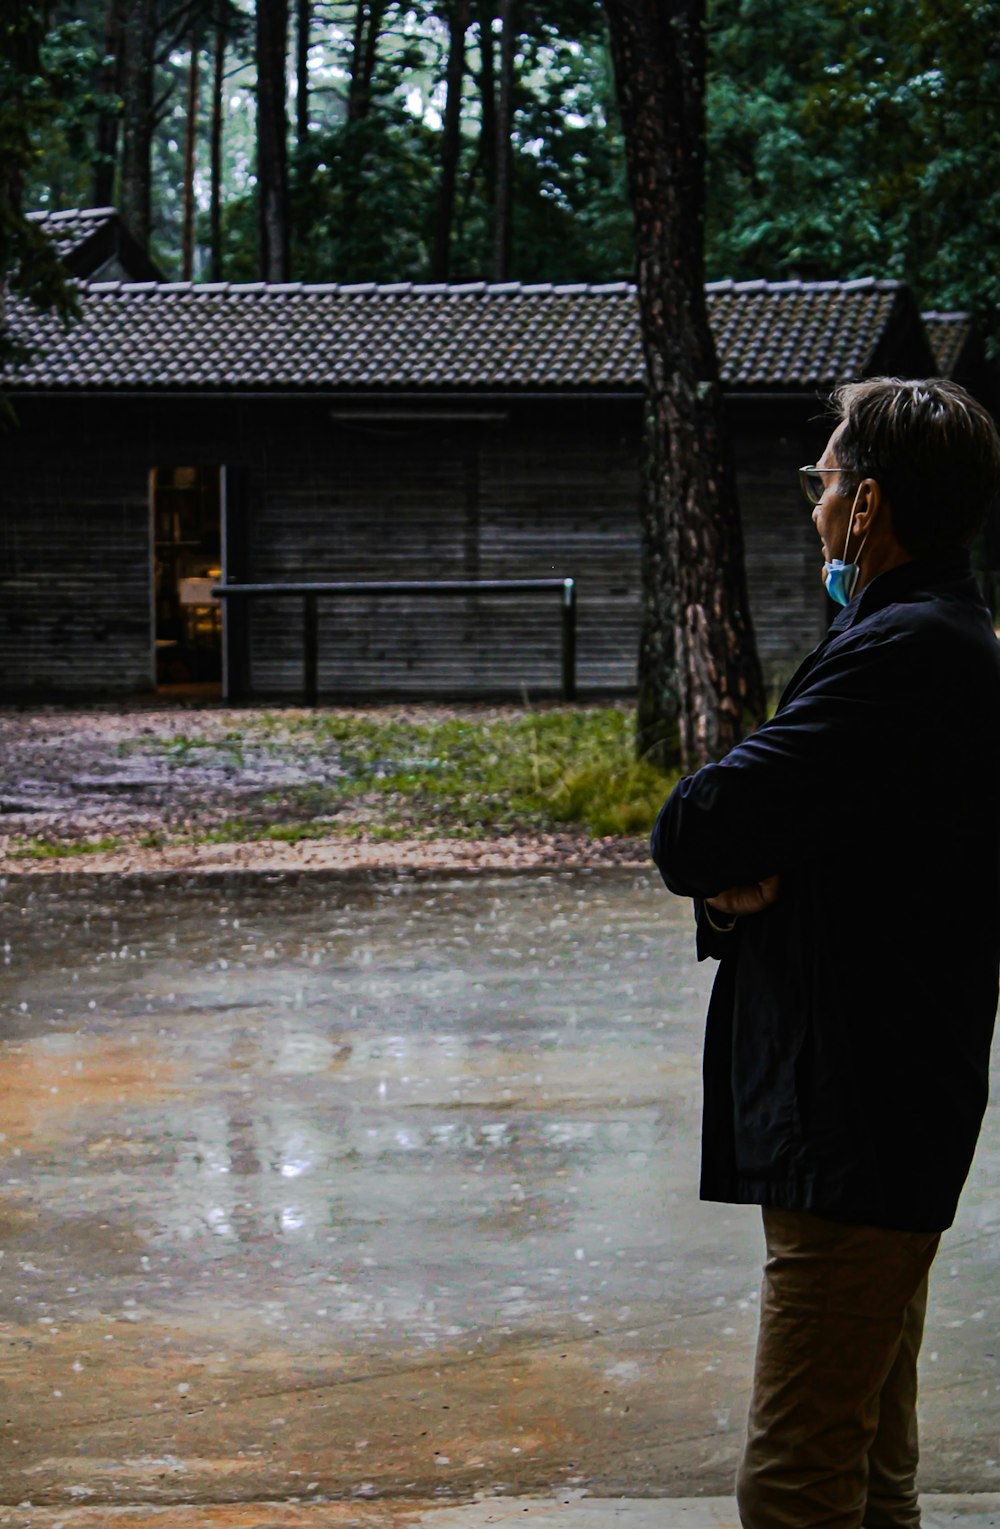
(272, 131)
(367, 32)
(504, 156)
(303, 20)
(106, 143)
(190, 156)
(138, 33)
(487, 100)
(450, 139)
(699, 669)
(364, 52)
(218, 98)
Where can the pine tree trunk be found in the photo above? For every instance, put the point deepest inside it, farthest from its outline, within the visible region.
(354, 111)
(272, 132)
(504, 158)
(487, 100)
(215, 210)
(364, 51)
(190, 156)
(106, 143)
(698, 658)
(450, 140)
(303, 20)
(138, 33)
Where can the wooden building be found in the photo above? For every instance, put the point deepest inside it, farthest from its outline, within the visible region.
(179, 434)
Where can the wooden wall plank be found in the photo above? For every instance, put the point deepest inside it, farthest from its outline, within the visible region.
(75, 606)
(551, 491)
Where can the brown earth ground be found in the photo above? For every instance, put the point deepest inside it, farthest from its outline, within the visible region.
(121, 773)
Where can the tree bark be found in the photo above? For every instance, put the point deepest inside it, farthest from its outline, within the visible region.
(108, 118)
(504, 158)
(699, 675)
(272, 133)
(303, 20)
(138, 34)
(218, 100)
(190, 156)
(450, 139)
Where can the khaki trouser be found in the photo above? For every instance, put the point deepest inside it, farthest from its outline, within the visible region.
(832, 1431)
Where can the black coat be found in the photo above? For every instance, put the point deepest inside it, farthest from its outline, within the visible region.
(847, 1048)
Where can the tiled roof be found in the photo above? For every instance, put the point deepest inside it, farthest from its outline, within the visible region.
(948, 333)
(70, 231)
(478, 337)
(93, 244)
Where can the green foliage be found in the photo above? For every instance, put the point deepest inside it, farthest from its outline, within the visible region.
(363, 199)
(844, 139)
(28, 104)
(62, 167)
(860, 140)
(572, 218)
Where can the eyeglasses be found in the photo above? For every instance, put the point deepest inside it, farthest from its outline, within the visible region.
(812, 482)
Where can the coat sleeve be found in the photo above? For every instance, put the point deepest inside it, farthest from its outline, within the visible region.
(793, 790)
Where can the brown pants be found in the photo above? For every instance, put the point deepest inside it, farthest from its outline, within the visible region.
(832, 1432)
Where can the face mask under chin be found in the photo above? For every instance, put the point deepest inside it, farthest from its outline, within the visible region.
(839, 576)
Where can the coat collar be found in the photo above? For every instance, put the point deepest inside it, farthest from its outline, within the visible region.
(903, 583)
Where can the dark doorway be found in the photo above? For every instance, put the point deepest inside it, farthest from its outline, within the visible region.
(187, 545)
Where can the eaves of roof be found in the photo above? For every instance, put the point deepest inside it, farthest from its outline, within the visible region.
(168, 338)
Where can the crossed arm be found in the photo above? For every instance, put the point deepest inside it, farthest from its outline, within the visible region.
(726, 832)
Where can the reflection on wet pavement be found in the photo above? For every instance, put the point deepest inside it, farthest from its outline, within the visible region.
(324, 1188)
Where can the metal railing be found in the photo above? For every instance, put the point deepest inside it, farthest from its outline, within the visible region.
(311, 594)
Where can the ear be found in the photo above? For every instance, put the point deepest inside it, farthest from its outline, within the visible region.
(868, 502)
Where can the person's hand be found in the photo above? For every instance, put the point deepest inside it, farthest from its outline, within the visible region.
(737, 902)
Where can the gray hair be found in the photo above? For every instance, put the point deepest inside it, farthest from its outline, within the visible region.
(932, 447)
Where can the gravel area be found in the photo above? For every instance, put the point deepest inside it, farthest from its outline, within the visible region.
(124, 787)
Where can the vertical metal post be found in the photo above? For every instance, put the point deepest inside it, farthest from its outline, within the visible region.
(569, 640)
(310, 623)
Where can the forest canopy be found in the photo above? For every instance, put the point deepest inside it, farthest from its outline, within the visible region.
(479, 139)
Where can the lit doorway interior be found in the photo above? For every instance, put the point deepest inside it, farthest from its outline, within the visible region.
(187, 561)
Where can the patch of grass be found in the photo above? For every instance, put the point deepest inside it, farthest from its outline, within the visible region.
(610, 799)
(243, 831)
(498, 773)
(482, 773)
(188, 748)
(60, 849)
(229, 831)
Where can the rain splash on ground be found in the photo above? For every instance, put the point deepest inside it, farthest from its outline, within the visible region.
(384, 1191)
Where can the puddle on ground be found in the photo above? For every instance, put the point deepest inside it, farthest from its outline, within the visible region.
(291, 1165)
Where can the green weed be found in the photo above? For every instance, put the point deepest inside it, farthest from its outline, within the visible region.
(60, 849)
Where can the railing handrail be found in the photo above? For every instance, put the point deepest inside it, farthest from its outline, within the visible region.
(396, 586)
(310, 594)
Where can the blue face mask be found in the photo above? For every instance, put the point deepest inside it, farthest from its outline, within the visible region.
(840, 577)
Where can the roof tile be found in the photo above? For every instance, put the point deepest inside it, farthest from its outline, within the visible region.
(478, 336)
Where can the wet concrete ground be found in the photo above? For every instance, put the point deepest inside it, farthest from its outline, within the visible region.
(357, 1198)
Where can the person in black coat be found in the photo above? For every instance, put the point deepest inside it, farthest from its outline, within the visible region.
(845, 865)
